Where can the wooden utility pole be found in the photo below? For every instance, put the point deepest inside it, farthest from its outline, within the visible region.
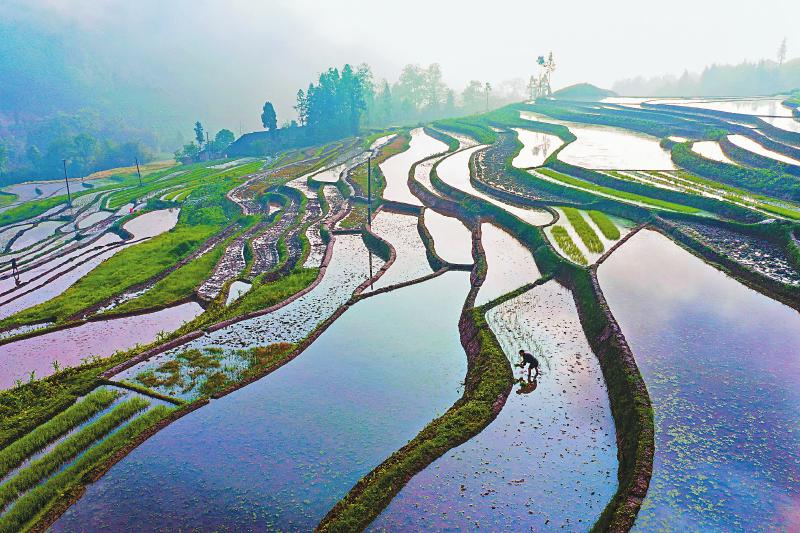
(138, 171)
(69, 198)
(369, 191)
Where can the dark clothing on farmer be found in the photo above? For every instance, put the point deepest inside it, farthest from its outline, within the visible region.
(529, 359)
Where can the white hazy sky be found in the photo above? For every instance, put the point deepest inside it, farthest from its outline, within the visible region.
(234, 54)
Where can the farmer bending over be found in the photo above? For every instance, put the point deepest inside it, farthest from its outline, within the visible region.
(530, 360)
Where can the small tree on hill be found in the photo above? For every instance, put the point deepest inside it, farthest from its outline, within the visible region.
(268, 117)
(223, 139)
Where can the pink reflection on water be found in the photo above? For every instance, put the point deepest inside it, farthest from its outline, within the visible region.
(70, 346)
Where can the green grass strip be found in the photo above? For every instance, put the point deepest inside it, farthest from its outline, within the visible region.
(177, 285)
(35, 501)
(587, 186)
(69, 448)
(607, 227)
(16, 453)
(134, 264)
(568, 246)
(585, 231)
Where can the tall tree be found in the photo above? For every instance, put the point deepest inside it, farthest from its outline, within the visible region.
(301, 107)
(472, 96)
(3, 158)
(782, 52)
(268, 117)
(199, 134)
(488, 89)
(222, 140)
(434, 90)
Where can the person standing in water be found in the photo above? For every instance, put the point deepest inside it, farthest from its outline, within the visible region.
(529, 359)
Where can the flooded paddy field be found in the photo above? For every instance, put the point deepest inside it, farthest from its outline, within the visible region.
(351, 264)
(286, 375)
(396, 168)
(285, 476)
(454, 171)
(761, 255)
(766, 107)
(548, 460)
(720, 363)
(452, 240)
(602, 147)
(510, 264)
(76, 345)
(536, 148)
(401, 232)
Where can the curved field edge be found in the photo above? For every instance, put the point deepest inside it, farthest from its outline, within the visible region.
(487, 384)
(630, 402)
(90, 376)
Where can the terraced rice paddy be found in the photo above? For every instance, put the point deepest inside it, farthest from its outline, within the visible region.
(452, 240)
(752, 146)
(454, 171)
(73, 346)
(536, 147)
(401, 232)
(711, 150)
(510, 264)
(600, 147)
(396, 168)
(548, 460)
(767, 107)
(247, 351)
(340, 389)
(719, 362)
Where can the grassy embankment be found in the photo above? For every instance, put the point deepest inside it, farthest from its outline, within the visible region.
(201, 218)
(13, 455)
(67, 483)
(489, 378)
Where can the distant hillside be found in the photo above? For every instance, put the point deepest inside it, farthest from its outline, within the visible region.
(583, 91)
(745, 79)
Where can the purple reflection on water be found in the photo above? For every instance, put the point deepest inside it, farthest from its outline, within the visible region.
(722, 365)
(279, 453)
(70, 346)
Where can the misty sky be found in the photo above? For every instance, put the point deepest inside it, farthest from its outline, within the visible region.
(230, 56)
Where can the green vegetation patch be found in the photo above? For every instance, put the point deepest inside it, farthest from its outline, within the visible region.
(606, 225)
(653, 202)
(126, 268)
(14, 454)
(36, 501)
(567, 245)
(69, 448)
(177, 285)
(585, 231)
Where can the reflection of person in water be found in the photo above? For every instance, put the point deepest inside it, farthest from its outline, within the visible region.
(526, 387)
